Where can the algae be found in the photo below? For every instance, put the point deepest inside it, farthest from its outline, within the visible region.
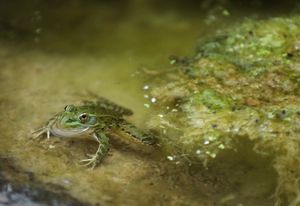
(242, 83)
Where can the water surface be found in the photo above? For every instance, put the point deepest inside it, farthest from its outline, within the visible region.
(52, 53)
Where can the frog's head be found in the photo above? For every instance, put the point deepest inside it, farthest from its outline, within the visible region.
(74, 121)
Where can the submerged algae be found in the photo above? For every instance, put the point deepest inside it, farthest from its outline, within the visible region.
(242, 84)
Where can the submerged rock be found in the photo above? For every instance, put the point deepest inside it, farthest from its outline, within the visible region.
(244, 83)
(19, 188)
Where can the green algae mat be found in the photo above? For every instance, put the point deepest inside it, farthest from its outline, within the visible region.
(242, 85)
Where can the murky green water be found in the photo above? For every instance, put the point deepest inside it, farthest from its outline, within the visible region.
(52, 53)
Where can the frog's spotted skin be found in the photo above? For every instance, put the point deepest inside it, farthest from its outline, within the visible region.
(93, 119)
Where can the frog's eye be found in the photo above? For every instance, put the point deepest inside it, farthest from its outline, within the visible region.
(70, 108)
(83, 117)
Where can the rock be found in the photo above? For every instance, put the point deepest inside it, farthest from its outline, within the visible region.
(19, 188)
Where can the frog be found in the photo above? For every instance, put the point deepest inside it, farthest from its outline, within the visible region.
(94, 119)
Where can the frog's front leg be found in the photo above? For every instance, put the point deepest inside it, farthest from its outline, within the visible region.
(37, 133)
(45, 129)
(101, 152)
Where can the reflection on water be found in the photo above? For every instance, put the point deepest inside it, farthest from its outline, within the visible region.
(52, 52)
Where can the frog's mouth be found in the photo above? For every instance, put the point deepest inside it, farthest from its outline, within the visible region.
(57, 130)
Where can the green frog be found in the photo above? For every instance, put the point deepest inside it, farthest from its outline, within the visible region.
(94, 119)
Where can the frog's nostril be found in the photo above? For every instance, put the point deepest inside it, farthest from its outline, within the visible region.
(69, 121)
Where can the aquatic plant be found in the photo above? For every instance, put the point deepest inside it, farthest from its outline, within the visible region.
(243, 83)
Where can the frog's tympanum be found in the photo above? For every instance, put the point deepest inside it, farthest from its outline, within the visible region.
(96, 120)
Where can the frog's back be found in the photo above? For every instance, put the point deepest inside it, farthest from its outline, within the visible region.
(106, 107)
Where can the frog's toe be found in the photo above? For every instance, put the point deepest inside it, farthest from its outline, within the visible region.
(93, 158)
(93, 161)
(90, 155)
(87, 162)
(38, 133)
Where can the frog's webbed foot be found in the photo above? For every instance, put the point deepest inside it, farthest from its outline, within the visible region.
(45, 129)
(101, 152)
(93, 161)
(39, 132)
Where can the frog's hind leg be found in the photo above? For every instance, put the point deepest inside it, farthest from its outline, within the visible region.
(137, 134)
(101, 152)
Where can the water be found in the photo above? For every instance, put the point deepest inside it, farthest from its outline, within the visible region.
(52, 53)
